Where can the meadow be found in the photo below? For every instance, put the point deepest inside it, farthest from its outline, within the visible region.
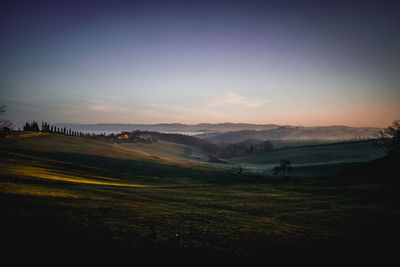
(313, 160)
(71, 198)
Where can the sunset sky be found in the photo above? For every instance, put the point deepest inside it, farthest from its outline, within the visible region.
(281, 62)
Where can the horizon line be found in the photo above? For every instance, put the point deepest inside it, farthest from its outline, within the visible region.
(218, 123)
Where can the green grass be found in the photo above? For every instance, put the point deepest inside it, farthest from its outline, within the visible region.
(187, 215)
(312, 161)
(162, 148)
(323, 154)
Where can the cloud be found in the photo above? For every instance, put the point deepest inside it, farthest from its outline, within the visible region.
(172, 113)
(234, 108)
(225, 107)
(229, 99)
(107, 106)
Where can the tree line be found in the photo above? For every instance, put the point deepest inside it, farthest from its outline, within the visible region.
(48, 128)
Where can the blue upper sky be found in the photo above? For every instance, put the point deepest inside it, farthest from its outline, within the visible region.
(284, 62)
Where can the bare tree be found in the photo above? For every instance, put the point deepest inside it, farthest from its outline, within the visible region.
(283, 167)
(240, 171)
(393, 132)
(389, 139)
(383, 141)
(5, 125)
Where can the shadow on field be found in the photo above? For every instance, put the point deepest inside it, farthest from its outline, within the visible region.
(98, 165)
(87, 166)
(51, 241)
(340, 221)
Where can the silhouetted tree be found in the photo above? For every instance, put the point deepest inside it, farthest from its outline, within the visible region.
(240, 171)
(393, 132)
(35, 126)
(283, 167)
(31, 126)
(5, 125)
(27, 127)
(389, 139)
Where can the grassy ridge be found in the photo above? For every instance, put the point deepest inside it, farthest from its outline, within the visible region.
(162, 148)
(322, 160)
(45, 142)
(186, 214)
(322, 154)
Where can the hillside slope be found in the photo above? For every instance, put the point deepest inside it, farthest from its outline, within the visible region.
(87, 161)
(316, 160)
(76, 199)
(168, 149)
(45, 142)
(292, 134)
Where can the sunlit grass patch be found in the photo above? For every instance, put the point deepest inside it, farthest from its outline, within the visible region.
(24, 158)
(42, 173)
(69, 144)
(37, 190)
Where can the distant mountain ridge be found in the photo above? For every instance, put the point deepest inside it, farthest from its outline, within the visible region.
(203, 127)
(169, 127)
(307, 135)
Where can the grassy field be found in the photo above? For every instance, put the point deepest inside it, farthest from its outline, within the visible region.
(168, 149)
(312, 161)
(70, 198)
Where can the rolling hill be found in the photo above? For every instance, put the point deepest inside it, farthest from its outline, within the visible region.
(313, 160)
(167, 127)
(284, 136)
(81, 200)
(83, 160)
(244, 130)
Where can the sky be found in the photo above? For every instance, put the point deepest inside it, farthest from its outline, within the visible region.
(304, 63)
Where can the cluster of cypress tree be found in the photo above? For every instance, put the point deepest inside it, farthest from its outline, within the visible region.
(53, 129)
(31, 126)
(34, 126)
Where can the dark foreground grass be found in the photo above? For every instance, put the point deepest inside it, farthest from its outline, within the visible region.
(191, 217)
